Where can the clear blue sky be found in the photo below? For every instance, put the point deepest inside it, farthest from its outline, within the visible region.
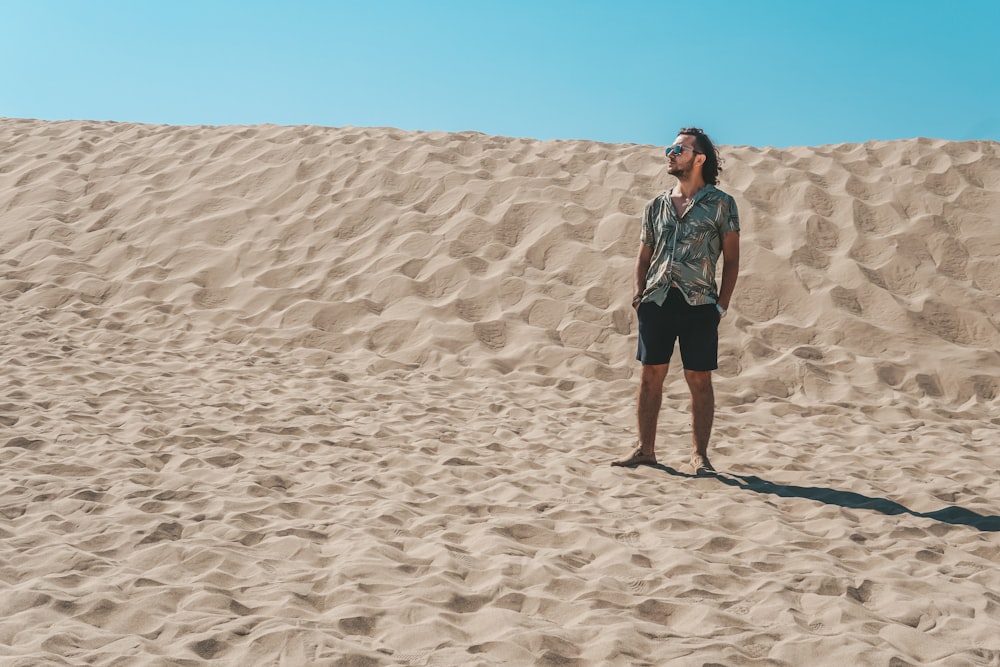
(757, 72)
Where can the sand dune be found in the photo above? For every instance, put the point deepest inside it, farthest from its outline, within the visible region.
(346, 396)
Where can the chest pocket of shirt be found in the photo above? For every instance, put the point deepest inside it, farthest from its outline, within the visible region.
(698, 233)
(667, 228)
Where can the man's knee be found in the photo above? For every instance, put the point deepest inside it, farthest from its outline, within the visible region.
(653, 375)
(699, 381)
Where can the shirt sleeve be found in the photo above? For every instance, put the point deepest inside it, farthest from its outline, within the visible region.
(646, 235)
(730, 221)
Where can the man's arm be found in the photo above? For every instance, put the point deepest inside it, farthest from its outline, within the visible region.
(641, 269)
(730, 267)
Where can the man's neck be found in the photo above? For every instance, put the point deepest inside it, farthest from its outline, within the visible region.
(689, 187)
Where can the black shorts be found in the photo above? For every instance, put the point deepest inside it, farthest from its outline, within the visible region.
(697, 328)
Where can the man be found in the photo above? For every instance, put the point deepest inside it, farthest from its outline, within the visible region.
(684, 231)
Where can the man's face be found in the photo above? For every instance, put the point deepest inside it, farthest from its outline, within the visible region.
(682, 164)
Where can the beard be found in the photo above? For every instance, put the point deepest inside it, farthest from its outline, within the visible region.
(679, 172)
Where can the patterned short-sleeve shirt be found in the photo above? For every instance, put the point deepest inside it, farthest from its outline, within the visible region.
(686, 248)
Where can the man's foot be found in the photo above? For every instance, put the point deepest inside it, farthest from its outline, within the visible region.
(637, 458)
(702, 466)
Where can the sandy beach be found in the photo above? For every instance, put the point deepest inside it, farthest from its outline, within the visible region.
(348, 396)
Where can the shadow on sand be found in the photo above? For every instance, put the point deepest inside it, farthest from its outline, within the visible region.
(957, 516)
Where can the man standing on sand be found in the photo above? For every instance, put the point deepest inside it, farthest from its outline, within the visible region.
(684, 231)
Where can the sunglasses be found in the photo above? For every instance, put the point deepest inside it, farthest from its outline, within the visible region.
(677, 149)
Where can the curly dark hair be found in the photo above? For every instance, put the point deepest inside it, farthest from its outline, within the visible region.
(713, 161)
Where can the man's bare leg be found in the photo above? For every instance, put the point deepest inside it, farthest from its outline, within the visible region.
(647, 414)
(702, 416)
